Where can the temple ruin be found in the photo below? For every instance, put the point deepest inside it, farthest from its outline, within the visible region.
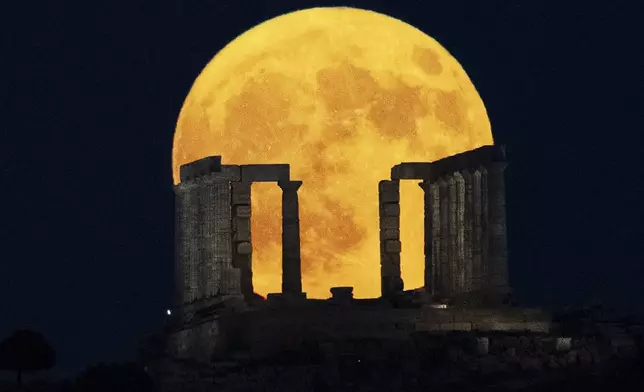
(466, 278)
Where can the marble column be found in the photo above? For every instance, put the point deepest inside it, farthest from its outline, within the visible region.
(452, 235)
(242, 238)
(498, 257)
(461, 275)
(225, 277)
(437, 272)
(468, 230)
(428, 237)
(291, 263)
(192, 243)
(182, 246)
(444, 238)
(390, 246)
(477, 237)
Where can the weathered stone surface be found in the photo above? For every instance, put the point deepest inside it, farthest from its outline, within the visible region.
(242, 211)
(200, 168)
(392, 246)
(291, 263)
(411, 171)
(244, 248)
(390, 209)
(389, 234)
(265, 173)
(389, 223)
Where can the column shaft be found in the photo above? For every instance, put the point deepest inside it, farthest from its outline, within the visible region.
(242, 237)
(291, 263)
(460, 233)
(438, 284)
(452, 235)
(390, 246)
(468, 229)
(444, 239)
(477, 238)
(498, 275)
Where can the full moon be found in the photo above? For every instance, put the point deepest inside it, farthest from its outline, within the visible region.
(342, 95)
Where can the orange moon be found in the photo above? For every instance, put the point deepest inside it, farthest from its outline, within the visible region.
(342, 95)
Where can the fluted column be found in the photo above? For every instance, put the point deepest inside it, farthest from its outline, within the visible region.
(429, 217)
(182, 245)
(468, 230)
(438, 284)
(242, 238)
(444, 238)
(390, 246)
(477, 238)
(291, 263)
(191, 243)
(498, 258)
(224, 276)
(453, 230)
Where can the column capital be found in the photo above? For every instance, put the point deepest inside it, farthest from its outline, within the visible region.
(289, 186)
(425, 184)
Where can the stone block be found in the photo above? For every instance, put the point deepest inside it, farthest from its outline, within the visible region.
(392, 246)
(390, 209)
(239, 196)
(389, 223)
(389, 234)
(411, 171)
(244, 248)
(242, 211)
(200, 168)
(265, 173)
(241, 226)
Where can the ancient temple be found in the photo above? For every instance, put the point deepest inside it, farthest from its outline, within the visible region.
(465, 228)
(466, 277)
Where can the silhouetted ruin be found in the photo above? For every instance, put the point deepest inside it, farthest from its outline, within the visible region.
(462, 314)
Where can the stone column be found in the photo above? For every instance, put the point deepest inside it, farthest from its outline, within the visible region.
(291, 263)
(461, 276)
(225, 278)
(453, 226)
(182, 242)
(437, 272)
(429, 217)
(477, 237)
(444, 238)
(390, 246)
(498, 257)
(485, 232)
(242, 238)
(191, 243)
(468, 229)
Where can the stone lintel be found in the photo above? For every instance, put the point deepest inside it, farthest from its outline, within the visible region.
(265, 173)
(209, 167)
(199, 168)
(411, 171)
(467, 160)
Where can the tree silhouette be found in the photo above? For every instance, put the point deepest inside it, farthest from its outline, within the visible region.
(26, 351)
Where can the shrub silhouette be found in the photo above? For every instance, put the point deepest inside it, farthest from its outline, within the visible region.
(26, 351)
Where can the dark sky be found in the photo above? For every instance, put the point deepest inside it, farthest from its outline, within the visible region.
(90, 96)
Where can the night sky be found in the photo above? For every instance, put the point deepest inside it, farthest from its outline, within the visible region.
(90, 96)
